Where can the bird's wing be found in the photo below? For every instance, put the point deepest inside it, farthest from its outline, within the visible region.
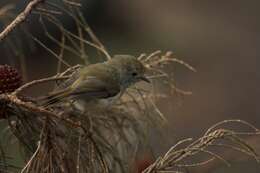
(55, 97)
(86, 89)
(96, 88)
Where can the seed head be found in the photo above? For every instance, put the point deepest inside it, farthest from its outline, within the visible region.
(10, 79)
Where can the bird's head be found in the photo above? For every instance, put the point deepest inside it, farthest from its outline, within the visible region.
(131, 70)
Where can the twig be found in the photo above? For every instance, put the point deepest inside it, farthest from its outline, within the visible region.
(174, 158)
(27, 85)
(72, 3)
(79, 151)
(49, 50)
(20, 18)
(31, 159)
(10, 98)
(63, 40)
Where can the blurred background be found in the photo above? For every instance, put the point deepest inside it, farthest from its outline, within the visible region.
(219, 38)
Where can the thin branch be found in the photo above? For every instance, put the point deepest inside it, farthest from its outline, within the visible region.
(63, 40)
(20, 18)
(10, 98)
(27, 85)
(79, 151)
(31, 159)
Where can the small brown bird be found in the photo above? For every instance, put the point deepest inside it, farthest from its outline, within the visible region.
(101, 81)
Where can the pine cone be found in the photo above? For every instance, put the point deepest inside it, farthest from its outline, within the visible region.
(10, 79)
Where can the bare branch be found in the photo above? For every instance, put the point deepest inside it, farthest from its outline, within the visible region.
(27, 85)
(20, 18)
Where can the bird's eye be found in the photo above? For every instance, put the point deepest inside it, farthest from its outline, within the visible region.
(134, 74)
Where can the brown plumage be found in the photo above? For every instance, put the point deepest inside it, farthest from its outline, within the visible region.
(101, 80)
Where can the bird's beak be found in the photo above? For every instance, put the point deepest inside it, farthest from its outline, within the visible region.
(143, 78)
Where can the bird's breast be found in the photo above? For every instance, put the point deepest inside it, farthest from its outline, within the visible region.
(95, 104)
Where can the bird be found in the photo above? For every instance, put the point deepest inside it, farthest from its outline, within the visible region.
(104, 81)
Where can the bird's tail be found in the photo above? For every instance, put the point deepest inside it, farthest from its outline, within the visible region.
(55, 97)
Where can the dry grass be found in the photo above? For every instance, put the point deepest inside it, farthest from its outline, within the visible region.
(180, 159)
(60, 138)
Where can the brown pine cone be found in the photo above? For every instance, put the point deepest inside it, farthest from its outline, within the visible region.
(10, 79)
